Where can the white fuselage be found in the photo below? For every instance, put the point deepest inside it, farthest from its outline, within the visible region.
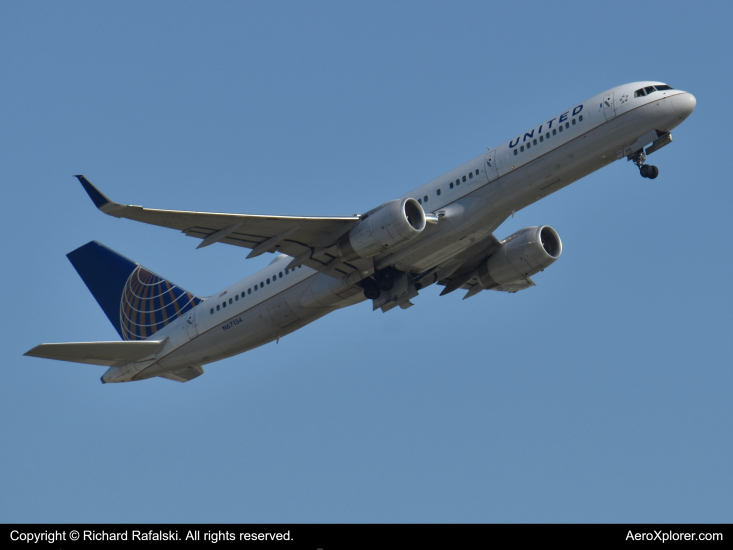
(472, 201)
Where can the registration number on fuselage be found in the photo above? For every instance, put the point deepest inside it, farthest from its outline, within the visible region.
(231, 324)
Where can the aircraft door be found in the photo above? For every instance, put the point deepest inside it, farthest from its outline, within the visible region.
(190, 322)
(609, 109)
(490, 165)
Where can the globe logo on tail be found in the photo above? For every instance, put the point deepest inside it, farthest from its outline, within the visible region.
(149, 303)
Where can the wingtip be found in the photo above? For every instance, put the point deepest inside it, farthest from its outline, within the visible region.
(98, 198)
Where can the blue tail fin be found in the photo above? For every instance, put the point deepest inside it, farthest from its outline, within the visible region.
(136, 301)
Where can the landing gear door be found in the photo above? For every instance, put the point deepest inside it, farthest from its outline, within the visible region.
(609, 109)
(490, 165)
(190, 322)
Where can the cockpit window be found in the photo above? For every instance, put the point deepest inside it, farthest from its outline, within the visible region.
(649, 90)
(663, 87)
(639, 93)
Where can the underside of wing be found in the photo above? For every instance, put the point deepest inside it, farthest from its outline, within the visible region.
(309, 239)
(108, 354)
(461, 273)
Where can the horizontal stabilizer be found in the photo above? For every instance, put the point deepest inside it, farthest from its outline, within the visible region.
(108, 354)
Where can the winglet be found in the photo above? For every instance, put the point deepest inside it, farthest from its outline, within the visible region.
(98, 198)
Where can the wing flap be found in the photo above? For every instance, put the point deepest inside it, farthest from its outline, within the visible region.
(108, 354)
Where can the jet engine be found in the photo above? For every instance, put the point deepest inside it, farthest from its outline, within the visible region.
(394, 223)
(522, 254)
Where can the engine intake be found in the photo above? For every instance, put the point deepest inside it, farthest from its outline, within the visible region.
(394, 223)
(523, 254)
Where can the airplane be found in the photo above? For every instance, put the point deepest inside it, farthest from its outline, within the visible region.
(441, 232)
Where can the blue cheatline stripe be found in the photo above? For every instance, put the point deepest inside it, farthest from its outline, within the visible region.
(137, 302)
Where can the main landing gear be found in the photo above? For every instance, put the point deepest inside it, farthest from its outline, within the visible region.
(383, 281)
(646, 170)
(371, 290)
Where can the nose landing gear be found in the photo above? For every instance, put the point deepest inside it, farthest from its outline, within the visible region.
(646, 170)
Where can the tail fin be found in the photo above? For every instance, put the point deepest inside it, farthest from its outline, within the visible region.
(136, 301)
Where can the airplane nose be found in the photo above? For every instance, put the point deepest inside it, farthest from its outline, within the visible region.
(684, 104)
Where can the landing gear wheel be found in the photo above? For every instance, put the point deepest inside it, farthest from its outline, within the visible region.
(371, 290)
(645, 171)
(653, 172)
(372, 293)
(386, 278)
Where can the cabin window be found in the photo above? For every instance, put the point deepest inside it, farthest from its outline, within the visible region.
(554, 131)
(515, 151)
(236, 298)
(262, 285)
(451, 185)
(418, 200)
(573, 122)
(534, 142)
(470, 175)
(522, 148)
(458, 182)
(268, 280)
(529, 145)
(464, 178)
(542, 139)
(230, 301)
(217, 307)
(560, 128)
(256, 288)
(224, 304)
(249, 291)
(477, 172)
(580, 118)
(567, 125)
(243, 294)
(212, 310)
(281, 274)
(547, 135)
(425, 198)
(438, 191)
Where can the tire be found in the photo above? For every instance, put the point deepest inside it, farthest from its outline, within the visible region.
(372, 293)
(645, 170)
(653, 172)
(385, 285)
(386, 279)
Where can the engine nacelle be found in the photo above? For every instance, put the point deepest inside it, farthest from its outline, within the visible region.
(396, 222)
(523, 254)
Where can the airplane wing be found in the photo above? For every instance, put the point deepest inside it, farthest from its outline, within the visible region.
(459, 274)
(310, 240)
(108, 354)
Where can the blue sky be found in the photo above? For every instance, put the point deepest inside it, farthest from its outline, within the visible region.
(601, 395)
